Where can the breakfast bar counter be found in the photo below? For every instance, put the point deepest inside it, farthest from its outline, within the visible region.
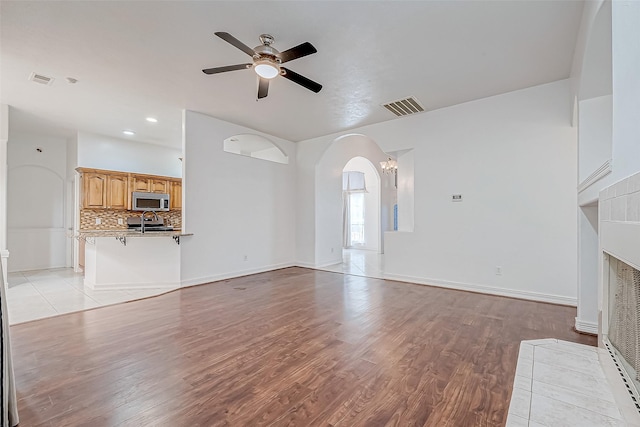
(128, 259)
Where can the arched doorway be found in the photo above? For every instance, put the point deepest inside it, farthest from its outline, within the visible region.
(329, 236)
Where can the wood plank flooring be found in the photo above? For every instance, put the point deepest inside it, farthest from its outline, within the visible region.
(292, 347)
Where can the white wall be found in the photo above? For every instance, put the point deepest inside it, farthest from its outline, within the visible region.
(4, 139)
(36, 197)
(236, 206)
(372, 230)
(103, 152)
(513, 157)
(626, 88)
(594, 132)
(406, 190)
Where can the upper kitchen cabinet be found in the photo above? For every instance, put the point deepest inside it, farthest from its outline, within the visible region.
(103, 189)
(175, 192)
(118, 191)
(159, 185)
(94, 190)
(149, 184)
(140, 183)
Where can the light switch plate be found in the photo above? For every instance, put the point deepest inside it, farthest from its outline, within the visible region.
(98, 221)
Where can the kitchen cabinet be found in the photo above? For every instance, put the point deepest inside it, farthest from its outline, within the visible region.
(117, 191)
(149, 184)
(101, 190)
(140, 183)
(94, 190)
(157, 185)
(175, 192)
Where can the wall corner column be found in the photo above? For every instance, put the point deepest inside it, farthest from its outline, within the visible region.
(4, 139)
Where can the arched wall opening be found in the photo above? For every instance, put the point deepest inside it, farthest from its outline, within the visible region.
(328, 194)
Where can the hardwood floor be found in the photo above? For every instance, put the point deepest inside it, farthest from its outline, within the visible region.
(289, 347)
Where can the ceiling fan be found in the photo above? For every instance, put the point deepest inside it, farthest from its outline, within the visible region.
(267, 62)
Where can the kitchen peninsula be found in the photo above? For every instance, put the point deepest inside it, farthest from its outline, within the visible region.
(114, 253)
(122, 259)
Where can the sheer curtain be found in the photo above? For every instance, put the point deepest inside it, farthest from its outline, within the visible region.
(9, 402)
(353, 187)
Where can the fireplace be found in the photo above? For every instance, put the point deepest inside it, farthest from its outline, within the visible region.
(624, 307)
(619, 326)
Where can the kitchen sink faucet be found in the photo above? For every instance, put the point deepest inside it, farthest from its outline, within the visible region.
(155, 217)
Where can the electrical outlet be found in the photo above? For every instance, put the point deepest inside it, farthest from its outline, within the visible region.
(498, 271)
(98, 221)
(246, 258)
(120, 221)
(331, 250)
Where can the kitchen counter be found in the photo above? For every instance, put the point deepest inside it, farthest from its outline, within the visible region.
(127, 232)
(128, 259)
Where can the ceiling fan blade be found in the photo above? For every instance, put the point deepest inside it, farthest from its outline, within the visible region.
(263, 87)
(301, 80)
(237, 43)
(296, 52)
(217, 70)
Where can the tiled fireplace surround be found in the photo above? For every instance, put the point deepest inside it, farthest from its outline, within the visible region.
(561, 383)
(619, 235)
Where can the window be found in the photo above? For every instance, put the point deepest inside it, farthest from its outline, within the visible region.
(356, 218)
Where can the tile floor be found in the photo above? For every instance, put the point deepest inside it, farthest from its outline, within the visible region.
(38, 294)
(359, 262)
(559, 383)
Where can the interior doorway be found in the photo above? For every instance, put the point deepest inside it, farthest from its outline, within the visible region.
(361, 206)
(361, 220)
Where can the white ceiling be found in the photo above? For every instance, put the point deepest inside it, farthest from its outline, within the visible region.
(141, 58)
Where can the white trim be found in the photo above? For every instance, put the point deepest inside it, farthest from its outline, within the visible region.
(4, 256)
(207, 279)
(472, 287)
(128, 286)
(304, 264)
(599, 173)
(586, 326)
(328, 263)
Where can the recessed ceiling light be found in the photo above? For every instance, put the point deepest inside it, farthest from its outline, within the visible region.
(152, 120)
(128, 132)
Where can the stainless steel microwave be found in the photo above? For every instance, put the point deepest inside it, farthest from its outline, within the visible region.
(149, 201)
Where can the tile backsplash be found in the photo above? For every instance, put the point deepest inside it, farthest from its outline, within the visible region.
(109, 218)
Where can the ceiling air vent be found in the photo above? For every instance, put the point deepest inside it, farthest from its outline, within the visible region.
(39, 78)
(404, 107)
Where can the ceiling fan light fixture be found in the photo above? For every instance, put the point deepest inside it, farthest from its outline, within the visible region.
(266, 69)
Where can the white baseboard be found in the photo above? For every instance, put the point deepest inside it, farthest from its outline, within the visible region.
(587, 327)
(239, 273)
(131, 286)
(304, 264)
(328, 263)
(472, 287)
